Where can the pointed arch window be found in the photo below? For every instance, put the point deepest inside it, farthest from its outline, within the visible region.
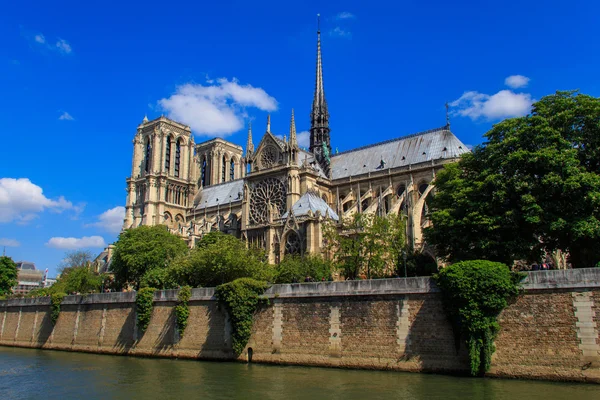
(177, 157)
(223, 166)
(204, 171)
(231, 170)
(168, 155)
(148, 154)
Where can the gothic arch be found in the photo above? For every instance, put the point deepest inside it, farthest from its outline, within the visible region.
(293, 243)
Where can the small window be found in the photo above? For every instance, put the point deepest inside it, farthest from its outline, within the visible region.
(223, 169)
(231, 170)
(204, 172)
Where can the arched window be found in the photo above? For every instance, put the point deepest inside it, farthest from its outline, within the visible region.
(148, 154)
(177, 157)
(223, 169)
(204, 172)
(400, 191)
(422, 188)
(293, 244)
(168, 155)
(231, 170)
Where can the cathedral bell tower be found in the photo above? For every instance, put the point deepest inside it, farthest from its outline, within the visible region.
(320, 142)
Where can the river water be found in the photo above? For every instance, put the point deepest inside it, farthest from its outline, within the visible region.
(47, 374)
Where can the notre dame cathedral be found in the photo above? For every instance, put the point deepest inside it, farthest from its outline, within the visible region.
(277, 195)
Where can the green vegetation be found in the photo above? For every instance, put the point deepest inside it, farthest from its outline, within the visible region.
(474, 294)
(8, 275)
(55, 301)
(297, 269)
(182, 311)
(143, 249)
(367, 245)
(533, 187)
(241, 299)
(144, 301)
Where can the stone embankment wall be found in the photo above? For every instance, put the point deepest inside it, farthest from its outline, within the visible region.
(549, 332)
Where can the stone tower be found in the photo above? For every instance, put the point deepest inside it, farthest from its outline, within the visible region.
(163, 177)
(320, 141)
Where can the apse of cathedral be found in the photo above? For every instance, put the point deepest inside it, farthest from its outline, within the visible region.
(277, 195)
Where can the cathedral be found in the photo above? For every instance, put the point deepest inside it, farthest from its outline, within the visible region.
(277, 195)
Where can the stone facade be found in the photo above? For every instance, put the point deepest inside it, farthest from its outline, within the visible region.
(549, 332)
(277, 195)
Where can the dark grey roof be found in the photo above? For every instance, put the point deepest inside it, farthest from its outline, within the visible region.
(312, 202)
(413, 149)
(221, 194)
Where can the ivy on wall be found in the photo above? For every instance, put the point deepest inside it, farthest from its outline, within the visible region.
(182, 310)
(241, 299)
(55, 301)
(474, 294)
(143, 306)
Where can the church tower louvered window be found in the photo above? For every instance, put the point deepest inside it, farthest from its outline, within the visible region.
(177, 157)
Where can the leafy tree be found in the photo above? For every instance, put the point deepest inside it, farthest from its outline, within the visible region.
(367, 243)
(8, 275)
(474, 294)
(160, 278)
(296, 269)
(217, 259)
(74, 259)
(142, 249)
(533, 186)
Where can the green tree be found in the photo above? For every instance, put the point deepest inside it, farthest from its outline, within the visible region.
(296, 269)
(346, 241)
(474, 293)
(142, 249)
(74, 259)
(8, 275)
(533, 186)
(220, 258)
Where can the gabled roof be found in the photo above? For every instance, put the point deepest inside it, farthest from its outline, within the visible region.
(413, 149)
(311, 201)
(221, 194)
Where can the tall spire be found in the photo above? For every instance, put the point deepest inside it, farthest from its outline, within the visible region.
(268, 122)
(249, 144)
(293, 138)
(320, 143)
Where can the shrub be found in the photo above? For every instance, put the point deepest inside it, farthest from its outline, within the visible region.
(182, 311)
(55, 300)
(474, 293)
(143, 305)
(296, 269)
(241, 299)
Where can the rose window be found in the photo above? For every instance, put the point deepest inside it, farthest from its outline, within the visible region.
(267, 198)
(268, 157)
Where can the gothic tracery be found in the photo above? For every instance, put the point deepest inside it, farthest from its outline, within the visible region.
(267, 198)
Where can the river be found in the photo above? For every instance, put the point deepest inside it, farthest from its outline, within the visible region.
(47, 374)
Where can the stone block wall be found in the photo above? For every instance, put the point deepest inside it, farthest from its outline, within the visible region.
(549, 332)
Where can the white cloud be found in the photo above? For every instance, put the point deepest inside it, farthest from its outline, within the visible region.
(111, 220)
(9, 242)
(339, 32)
(504, 104)
(345, 15)
(216, 109)
(516, 81)
(66, 117)
(71, 243)
(303, 139)
(40, 38)
(63, 46)
(21, 201)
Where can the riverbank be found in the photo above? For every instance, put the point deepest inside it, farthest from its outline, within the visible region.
(549, 333)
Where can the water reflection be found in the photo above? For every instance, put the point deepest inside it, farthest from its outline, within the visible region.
(37, 374)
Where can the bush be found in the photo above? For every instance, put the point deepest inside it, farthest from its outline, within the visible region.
(474, 293)
(55, 301)
(296, 269)
(241, 299)
(143, 305)
(182, 310)
(159, 278)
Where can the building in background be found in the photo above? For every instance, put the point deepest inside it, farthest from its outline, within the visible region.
(28, 278)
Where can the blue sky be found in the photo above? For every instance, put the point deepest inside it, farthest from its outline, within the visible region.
(78, 78)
